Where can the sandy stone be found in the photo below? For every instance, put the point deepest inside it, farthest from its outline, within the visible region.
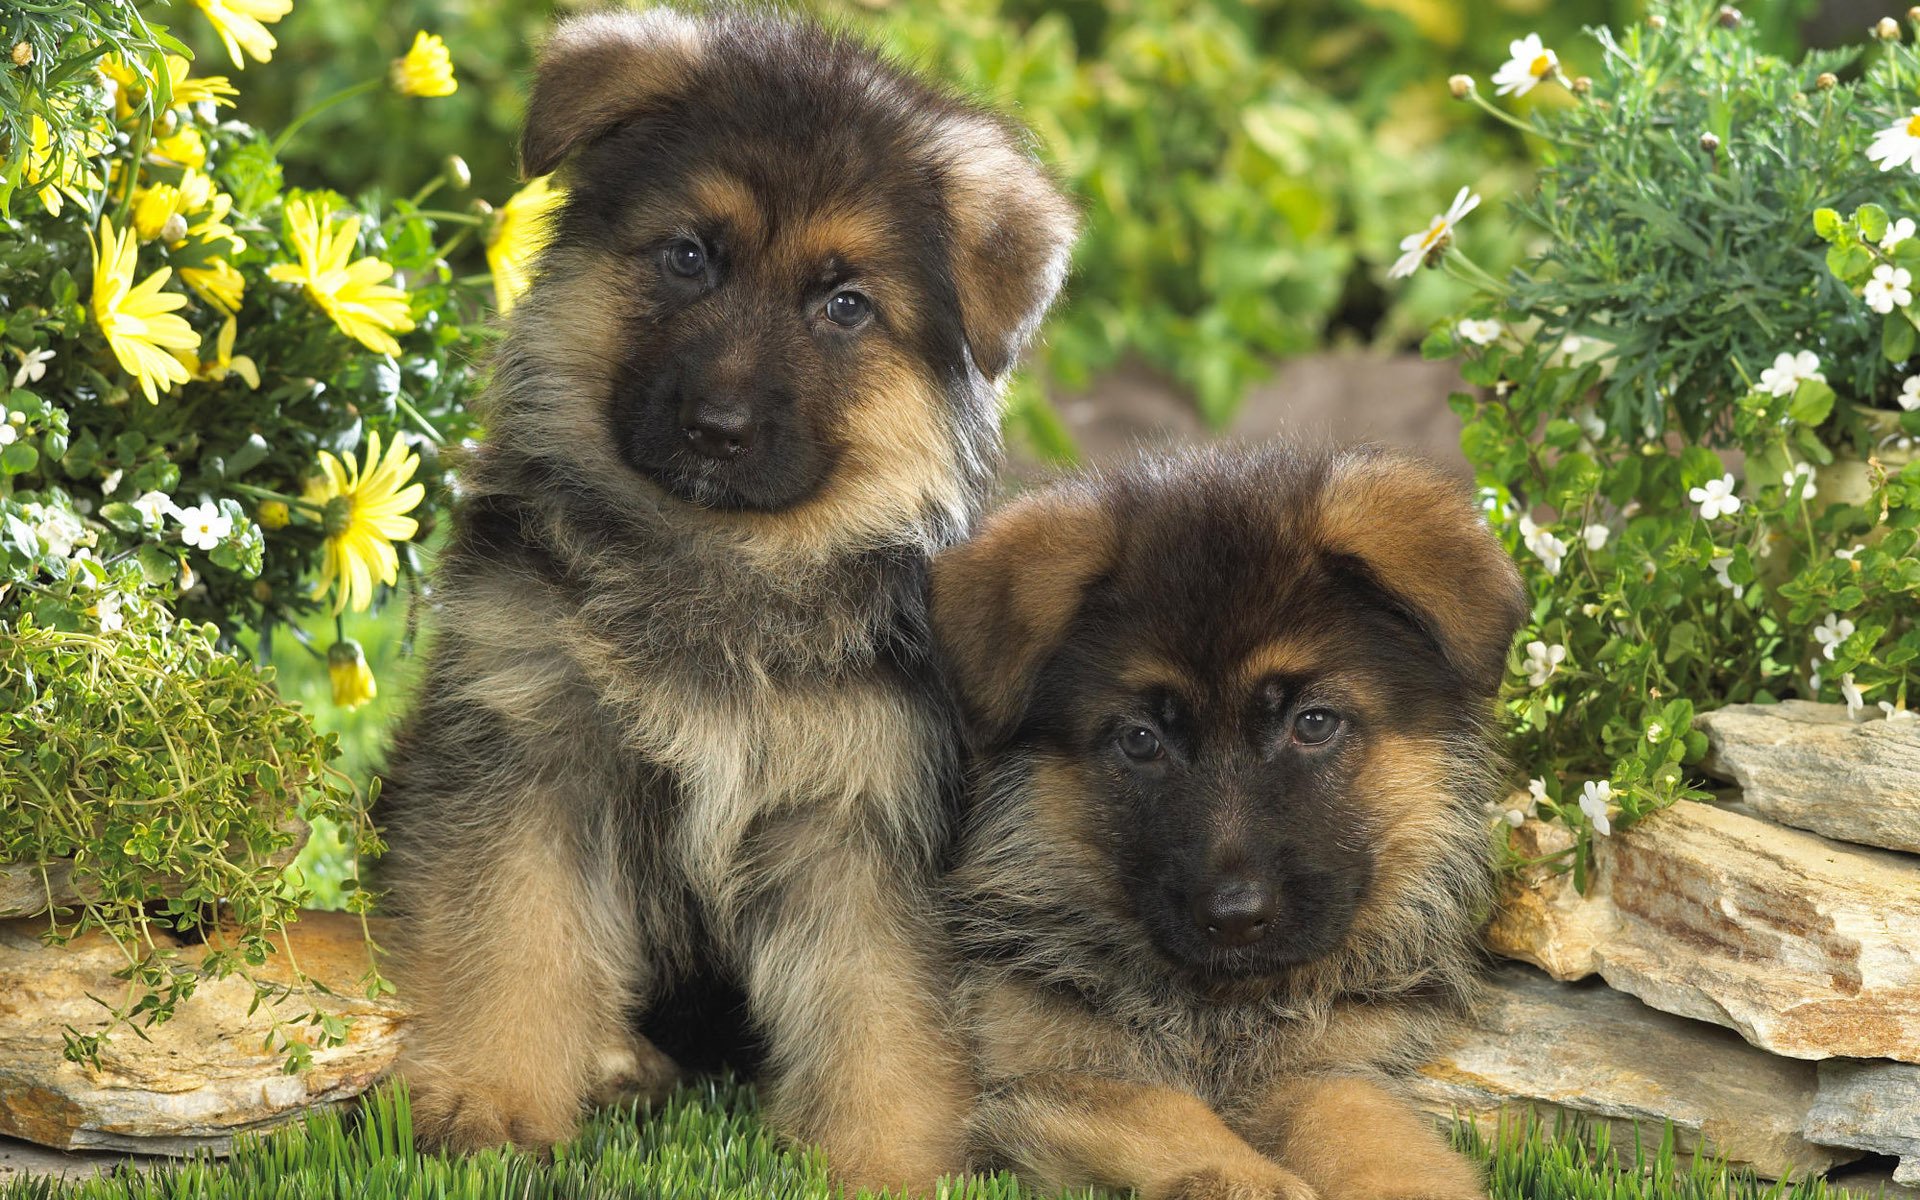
(1808, 766)
(204, 1076)
(1805, 946)
(1874, 1106)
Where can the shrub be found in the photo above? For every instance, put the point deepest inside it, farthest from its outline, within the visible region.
(1692, 429)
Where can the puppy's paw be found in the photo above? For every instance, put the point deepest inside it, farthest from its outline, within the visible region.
(461, 1120)
(1215, 1184)
(635, 1071)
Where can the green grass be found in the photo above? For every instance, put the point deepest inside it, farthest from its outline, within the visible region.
(706, 1143)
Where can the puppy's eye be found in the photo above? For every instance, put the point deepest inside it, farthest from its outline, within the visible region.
(847, 309)
(1139, 744)
(686, 258)
(1314, 726)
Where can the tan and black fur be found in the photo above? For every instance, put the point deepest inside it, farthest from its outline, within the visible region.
(1228, 849)
(676, 731)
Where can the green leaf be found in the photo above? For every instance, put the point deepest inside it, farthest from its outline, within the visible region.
(1872, 220)
(1850, 263)
(1812, 402)
(122, 516)
(1827, 224)
(1897, 337)
(18, 459)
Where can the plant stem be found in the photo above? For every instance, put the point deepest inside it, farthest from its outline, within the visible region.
(339, 97)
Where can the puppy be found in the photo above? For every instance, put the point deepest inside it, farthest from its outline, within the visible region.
(1228, 852)
(677, 723)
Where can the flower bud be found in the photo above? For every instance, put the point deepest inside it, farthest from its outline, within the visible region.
(1582, 84)
(457, 172)
(1728, 16)
(273, 514)
(1460, 86)
(22, 54)
(263, 591)
(347, 670)
(1656, 21)
(1913, 14)
(175, 229)
(480, 208)
(1887, 29)
(1826, 81)
(1710, 143)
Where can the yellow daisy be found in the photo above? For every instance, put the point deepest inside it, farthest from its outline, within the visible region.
(364, 515)
(218, 282)
(353, 292)
(186, 147)
(352, 678)
(53, 175)
(242, 25)
(427, 68)
(138, 320)
(514, 242)
(187, 90)
(224, 362)
(213, 227)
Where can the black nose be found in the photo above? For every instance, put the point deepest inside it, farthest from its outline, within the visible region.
(1235, 912)
(717, 430)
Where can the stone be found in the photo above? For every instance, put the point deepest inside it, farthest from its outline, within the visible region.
(1806, 947)
(1604, 1056)
(1874, 1106)
(1808, 766)
(203, 1076)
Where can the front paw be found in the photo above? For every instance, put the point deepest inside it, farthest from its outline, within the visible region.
(1216, 1184)
(633, 1072)
(463, 1119)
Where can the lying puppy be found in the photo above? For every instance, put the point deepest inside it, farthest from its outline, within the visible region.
(1228, 852)
(678, 732)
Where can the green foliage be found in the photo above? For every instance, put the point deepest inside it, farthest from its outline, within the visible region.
(705, 1144)
(1681, 303)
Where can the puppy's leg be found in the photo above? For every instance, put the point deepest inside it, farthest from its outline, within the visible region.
(520, 954)
(1062, 1130)
(845, 975)
(1354, 1140)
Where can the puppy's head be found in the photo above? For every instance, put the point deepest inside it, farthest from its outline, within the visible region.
(788, 277)
(1248, 692)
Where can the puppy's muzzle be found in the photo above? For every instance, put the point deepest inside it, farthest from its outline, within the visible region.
(719, 429)
(1234, 912)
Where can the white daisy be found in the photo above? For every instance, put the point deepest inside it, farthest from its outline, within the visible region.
(1550, 549)
(1847, 555)
(1481, 333)
(107, 610)
(1831, 632)
(1655, 731)
(1720, 565)
(1528, 63)
(1716, 499)
(1897, 145)
(1417, 247)
(33, 367)
(1788, 371)
(1910, 393)
(111, 484)
(1537, 789)
(203, 527)
(154, 507)
(1799, 482)
(60, 531)
(1594, 796)
(1850, 692)
(1542, 661)
(1596, 536)
(8, 435)
(1890, 288)
(1899, 231)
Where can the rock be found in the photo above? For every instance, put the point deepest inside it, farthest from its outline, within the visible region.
(1874, 1106)
(1805, 946)
(204, 1076)
(1808, 766)
(1587, 1050)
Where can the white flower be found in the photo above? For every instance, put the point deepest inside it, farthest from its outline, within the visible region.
(1716, 498)
(1596, 536)
(1515, 818)
(1897, 232)
(1593, 802)
(1897, 145)
(1415, 247)
(203, 527)
(1572, 344)
(1888, 289)
(1530, 61)
(1848, 554)
(1799, 482)
(60, 531)
(1788, 371)
(154, 507)
(8, 435)
(1542, 661)
(1552, 550)
(1896, 714)
(1830, 633)
(33, 367)
(1850, 692)
(1537, 789)
(1590, 422)
(1720, 565)
(1655, 731)
(112, 482)
(1481, 333)
(1910, 393)
(107, 609)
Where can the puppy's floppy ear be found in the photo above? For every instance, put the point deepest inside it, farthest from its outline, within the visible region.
(1012, 232)
(1002, 602)
(598, 70)
(1423, 541)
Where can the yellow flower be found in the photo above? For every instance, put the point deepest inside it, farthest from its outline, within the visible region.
(218, 282)
(354, 293)
(365, 514)
(157, 202)
(242, 25)
(139, 321)
(352, 678)
(185, 147)
(223, 362)
(514, 242)
(213, 226)
(71, 176)
(427, 68)
(217, 88)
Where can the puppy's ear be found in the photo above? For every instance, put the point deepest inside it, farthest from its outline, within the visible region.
(1002, 602)
(1423, 541)
(597, 71)
(1013, 230)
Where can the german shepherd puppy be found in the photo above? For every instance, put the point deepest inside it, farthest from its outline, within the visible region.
(678, 720)
(1228, 851)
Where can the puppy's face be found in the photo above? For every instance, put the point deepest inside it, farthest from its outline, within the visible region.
(1243, 686)
(787, 276)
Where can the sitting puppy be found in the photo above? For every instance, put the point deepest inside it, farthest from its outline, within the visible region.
(1233, 714)
(679, 732)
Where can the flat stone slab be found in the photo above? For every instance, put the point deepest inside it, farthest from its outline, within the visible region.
(203, 1076)
(1591, 1051)
(1807, 947)
(1874, 1106)
(1807, 765)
